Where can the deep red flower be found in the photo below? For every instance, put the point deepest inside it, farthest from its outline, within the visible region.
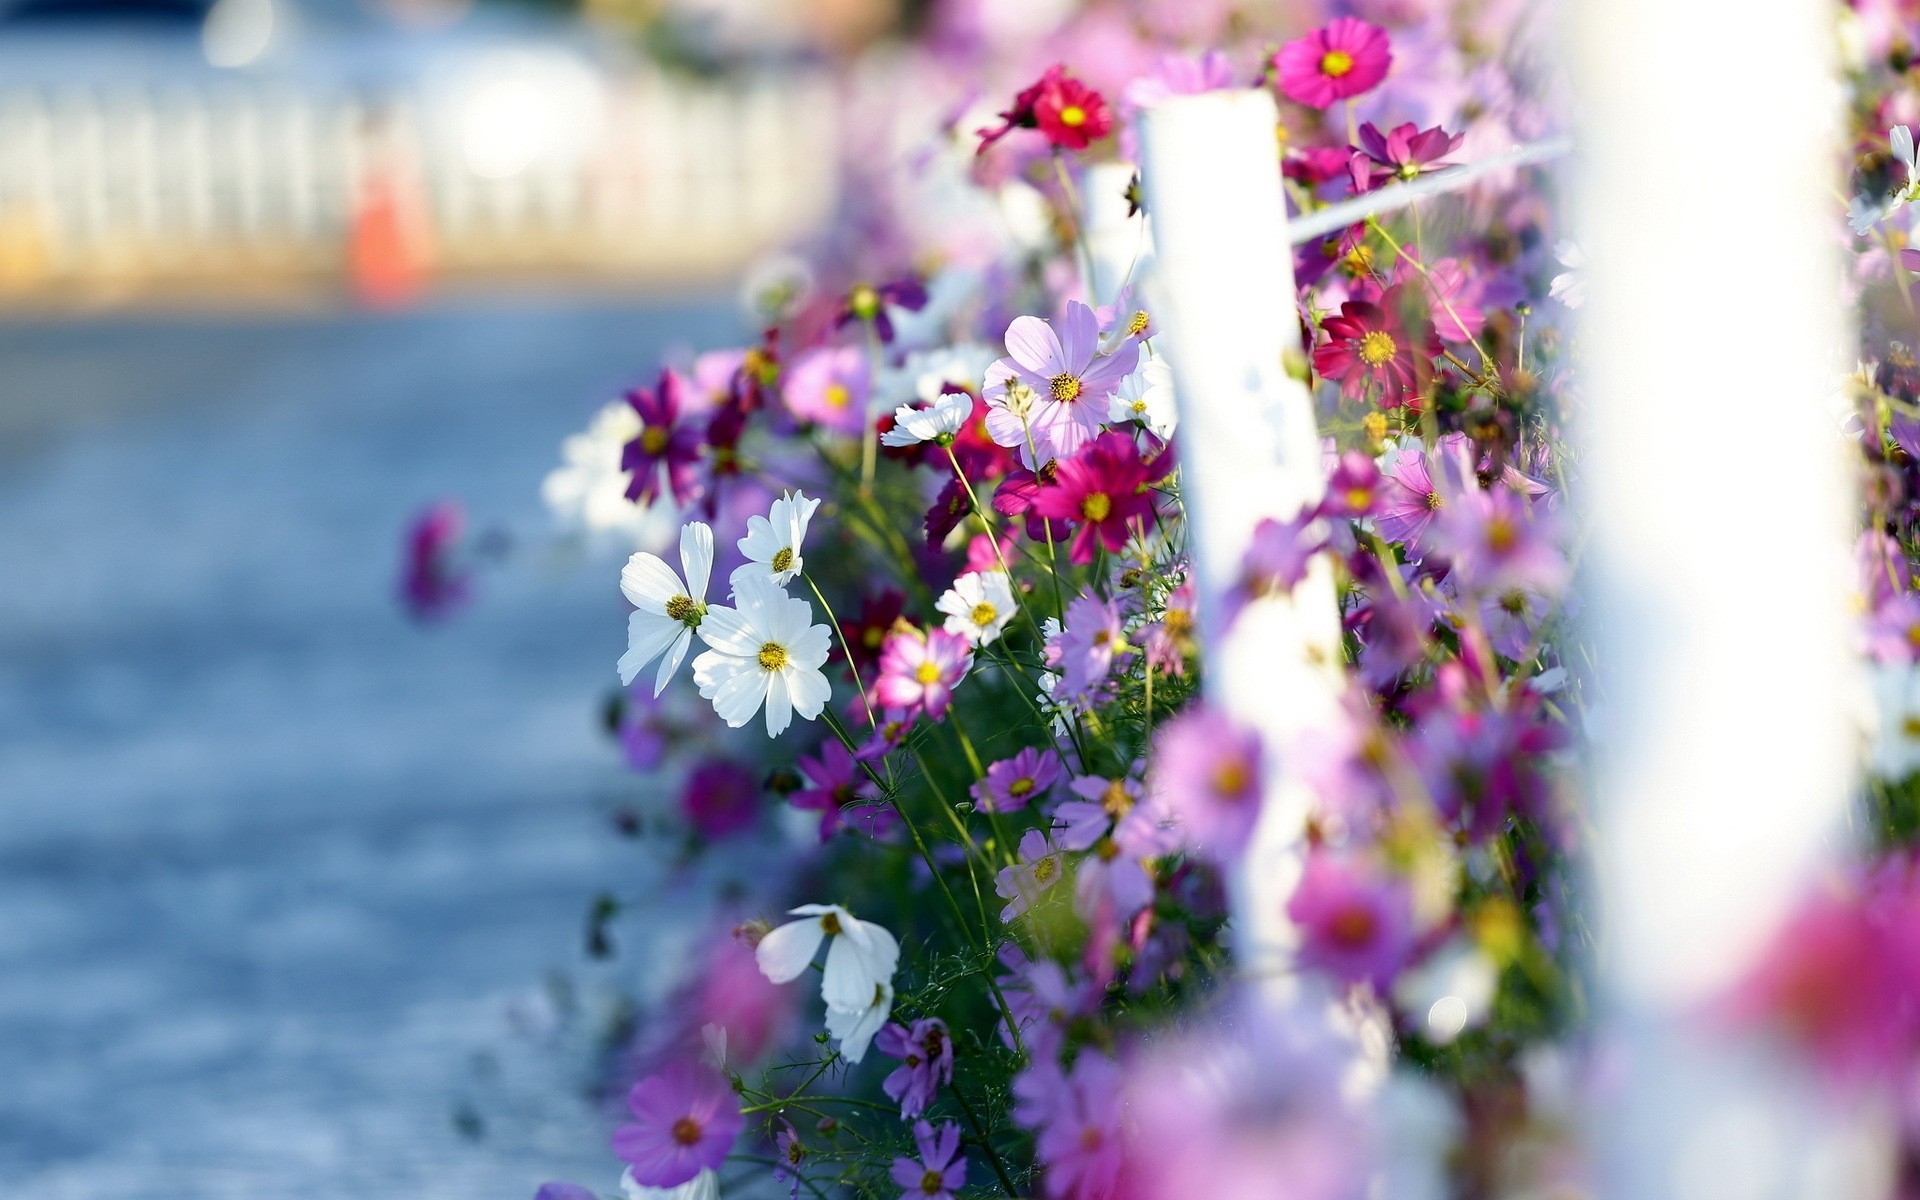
(1371, 343)
(1070, 114)
(1103, 490)
(865, 633)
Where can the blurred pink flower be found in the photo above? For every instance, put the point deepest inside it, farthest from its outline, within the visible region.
(1338, 61)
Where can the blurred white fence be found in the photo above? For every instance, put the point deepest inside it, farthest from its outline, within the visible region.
(108, 192)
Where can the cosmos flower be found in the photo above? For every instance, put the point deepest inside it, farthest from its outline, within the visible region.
(686, 1118)
(869, 304)
(862, 957)
(768, 650)
(1088, 644)
(666, 446)
(772, 544)
(854, 1028)
(667, 607)
(1496, 540)
(719, 797)
(1369, 344)
(1102, 490)
(432, 583)
(704, 1186)
(1068, 113)
(1179, 75)
(1276, 560)
(1353, 488)
(1038, 869)
(978, 606)
(925, 1051)
(828, 386)
(589, 488)
(1354, 924)
(1013, 783)
(938, 422)
(789, 1153)
(941, 1169)
(1338, 61)
(1408, 152)
(919, 672)
(1080, 1140)
(1049, 395)
(1417, 486)
(1147, 396)
(1206, 771)
(839, 790)
(1169, 640)
(1895, 751)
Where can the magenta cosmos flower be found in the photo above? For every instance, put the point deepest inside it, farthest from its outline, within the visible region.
(1102, 490)
(1080, 1139)
(920, 671)
(1408, 152)
(1354, 925)
(840, 791)
(686, 1119)
(719, 797)
(1207, 774)
(925, 1051)
(1049, 395)
(1369, 344)
(828, 387)
(866, 303)
(1013, 783)
(1338, 61)
(941, 1169)
(432, 582)
(1417, 486)
(1067, 112)
(666, 444)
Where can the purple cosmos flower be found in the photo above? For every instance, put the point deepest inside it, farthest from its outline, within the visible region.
(1080, 1144)
(1408, 152)
(840, 791)
(557, 1190)
(1353, 488)
(1179, 75)
(1481, 768)
(790, 1152)
(1207, 774)
(665, 444)
(828, 387)
(1417, 485)
(1049, 396)
(1092, 637)
(719, 797)
(1043, 999)
(1882, 565)
(1496, 541)
(1893, 632)
(1169, 640)
(1510, 618)
(1013, 783)
(867, 303)
(687, 1118)
(892, 729)
(918, 672)
(941, 1169)
(1276, 559)
(432, 583)
(1120, 831)
(925, 1051)
(1039, 868)
(1354, 925)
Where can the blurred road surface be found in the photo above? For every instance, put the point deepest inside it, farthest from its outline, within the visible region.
(275, 864)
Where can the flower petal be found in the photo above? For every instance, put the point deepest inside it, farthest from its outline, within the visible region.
(648, 582)
(647, 635)
(696, 557)
(1032, 344)
(785, 952)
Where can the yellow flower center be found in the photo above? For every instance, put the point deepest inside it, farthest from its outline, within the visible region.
(1434, 502)
(686, 1131)
(1116, 801)
(1139, 407)
(1020, 787)
(1066, 388)
(983, 613)
(1377, 347)
(1096, 506)
(838, 396)
(1043, 870)
(1231, 778)
(1911, 726)
(653, 439)
(933, 1183)
(1138, 325)
(773, 657)
(830, 922)
(864, 302)
(1913, 635)
(1514, 602)
(783, 559)
(1501, 535)
(684, 609)
(1073, 116)
(1359, 497)
(927, 672)
(1358, 261)
(1335, 63)
(1352, 927)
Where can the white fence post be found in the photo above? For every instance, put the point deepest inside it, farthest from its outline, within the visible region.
(1718, 506)
(1222, 294)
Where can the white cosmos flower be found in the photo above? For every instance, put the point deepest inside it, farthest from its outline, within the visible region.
(589, 488)
(937, 424)
(767, 650)
(1896, 743)
(978, 606)
(772, 544)
(858, 982)
(854, 1030)
(1146, 396)
(704, 1186)
(667, 607)
(927, 373)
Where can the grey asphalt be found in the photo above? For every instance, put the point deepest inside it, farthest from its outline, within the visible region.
(281, 873)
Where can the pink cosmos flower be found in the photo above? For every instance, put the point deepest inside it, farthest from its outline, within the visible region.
(1338, 61)
(842, 794)
(1459, 294)
(1013, 783)
(919, 672)
(1406, 153)
(1043, 1000)
(1092, 637)
(1417, 486)
(1276, 559)
(925, 1051)
(1207, 773)
(1510, 618)
(1179, 75)
(828, 387)
(665, 446)
(1893, 631)
(1354, 925)
(1169, 640)
(1369, 344)
(1049, 395)
(1070, 114)
(1038, 869)
(432, 583)
(941, 1169)
(1080, 1144)
(1496, 541)
(1103, 491)
(686, 1119)
(719, 797)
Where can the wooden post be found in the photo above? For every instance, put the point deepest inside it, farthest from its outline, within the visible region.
(1222, 295)
(1718, 508)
